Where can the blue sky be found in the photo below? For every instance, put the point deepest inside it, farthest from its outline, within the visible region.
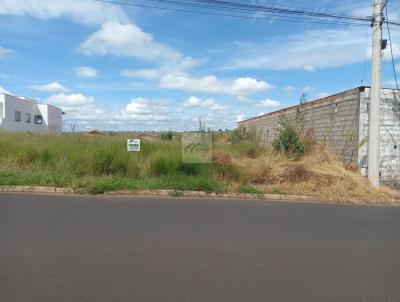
(117, 67)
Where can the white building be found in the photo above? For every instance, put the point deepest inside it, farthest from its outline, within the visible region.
(23, 114)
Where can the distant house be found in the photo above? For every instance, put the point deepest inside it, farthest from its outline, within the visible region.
(147, 137)
(23, 115)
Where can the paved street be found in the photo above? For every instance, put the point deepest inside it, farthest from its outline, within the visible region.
(97, 248)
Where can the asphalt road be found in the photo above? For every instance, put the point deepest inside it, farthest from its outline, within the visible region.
(85, 248)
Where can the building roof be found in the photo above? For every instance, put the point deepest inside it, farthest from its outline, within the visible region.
(27, 99)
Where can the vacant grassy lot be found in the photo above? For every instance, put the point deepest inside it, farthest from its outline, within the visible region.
(99, 164)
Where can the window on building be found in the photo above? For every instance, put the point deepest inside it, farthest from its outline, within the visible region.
(27, 118)
(38, 119)
(17, 116)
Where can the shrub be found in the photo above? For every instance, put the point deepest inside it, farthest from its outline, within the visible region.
(291, 140)
(289, 143)
(243, 134)
(167, 135)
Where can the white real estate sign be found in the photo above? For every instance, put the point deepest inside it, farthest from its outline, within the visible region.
(133, 145)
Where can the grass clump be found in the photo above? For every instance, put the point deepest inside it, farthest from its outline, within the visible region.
(245, 188)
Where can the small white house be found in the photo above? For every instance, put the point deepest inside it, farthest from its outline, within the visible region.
(23, 114)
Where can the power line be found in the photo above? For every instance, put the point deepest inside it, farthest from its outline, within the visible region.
(282, 10)
(248, 11)
(391, 48)
(275, 16)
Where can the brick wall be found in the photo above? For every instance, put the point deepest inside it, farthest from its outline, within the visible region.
(334, 121)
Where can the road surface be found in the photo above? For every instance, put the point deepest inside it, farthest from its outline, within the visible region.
(98, 248)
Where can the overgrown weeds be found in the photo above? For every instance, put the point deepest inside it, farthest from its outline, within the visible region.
(291, 140)
(101, 164)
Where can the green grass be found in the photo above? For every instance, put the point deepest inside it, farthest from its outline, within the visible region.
(100, 164)
(249, 189)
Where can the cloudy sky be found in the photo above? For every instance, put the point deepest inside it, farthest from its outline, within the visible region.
(117, 67)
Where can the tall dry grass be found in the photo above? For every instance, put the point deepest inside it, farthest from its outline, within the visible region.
(318, 173)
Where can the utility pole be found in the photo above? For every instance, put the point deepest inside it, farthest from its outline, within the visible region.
(375, 96)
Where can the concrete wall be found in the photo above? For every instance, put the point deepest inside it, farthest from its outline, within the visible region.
(389, 135)
(54, 119)
(1, 107)
(12, 104)
(333, 120)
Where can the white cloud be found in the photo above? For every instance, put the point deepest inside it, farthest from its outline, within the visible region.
(307, 89)
(6, 53)
(210, 104)
(81, 11)
(50, 87)
(86, 72)
(397, 68)
(71, 100)
(138, 106)
(2, 90)
(240, 117)
(146, 110)
(127, 40)
(192, 102)
(268, 103)
(86, 112)
(310, 50)
(211, 84)
(249, 85)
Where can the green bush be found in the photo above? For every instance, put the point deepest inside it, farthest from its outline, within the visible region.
(291, 140)
(249, 189)
(289, 143)
(245, 135)
(167, 135)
